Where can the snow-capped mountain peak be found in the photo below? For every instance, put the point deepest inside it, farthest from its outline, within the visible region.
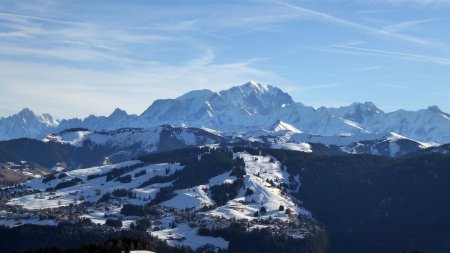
(256, 87)
(436, 109)
(252, 99)
(369, 107)
(26, 113)
(357, 112)
(118, 113)
(221, 110)
(196, 95)
(26, 124)
(283, 126)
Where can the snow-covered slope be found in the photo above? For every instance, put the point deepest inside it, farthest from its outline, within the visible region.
(343, 140)
(443, 149)
(387, 144)
(264, 177)
(391, 144)
(280, 126)
(132, 142)
(428, 125)
(285, 136)
(93, 189)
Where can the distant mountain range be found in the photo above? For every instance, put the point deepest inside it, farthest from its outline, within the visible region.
(247, 108)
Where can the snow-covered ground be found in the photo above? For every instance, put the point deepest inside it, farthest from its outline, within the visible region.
(224, 178)
(92, 190)
(194, 197)
(260, 171)
(74, 138)
(184, 235)
(19, 222)
(303, 147)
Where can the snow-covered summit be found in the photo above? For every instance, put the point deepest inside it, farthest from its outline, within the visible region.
(254, 98)
(356, 112)
(231, 109)
(118, 113)
(283, 126)
(27, 115)
(436, 109)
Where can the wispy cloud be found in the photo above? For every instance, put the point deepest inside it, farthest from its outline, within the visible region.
(21, 18)
(374, 11)
(254, 20)
(399, 27)
(402, 87)
(421, 2)
(369, 68)
(317, 87)
(66, 53)
(180, 26)
(70, 30)
(27, 35)
(340, 21)
(399, 55)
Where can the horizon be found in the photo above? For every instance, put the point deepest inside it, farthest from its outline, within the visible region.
(37, 113)
(74, 59)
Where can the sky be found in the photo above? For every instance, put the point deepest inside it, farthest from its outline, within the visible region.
(73, 58)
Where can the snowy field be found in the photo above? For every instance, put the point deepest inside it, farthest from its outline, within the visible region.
(183, 235)
(92, 190)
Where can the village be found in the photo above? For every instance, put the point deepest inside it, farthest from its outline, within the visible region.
(81, 211)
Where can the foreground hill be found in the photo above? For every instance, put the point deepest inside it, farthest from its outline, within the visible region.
(290, 201)
(198, 198)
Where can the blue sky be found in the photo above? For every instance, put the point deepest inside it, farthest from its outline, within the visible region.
(75, 58)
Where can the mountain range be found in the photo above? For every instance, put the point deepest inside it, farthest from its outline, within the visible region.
(246, 108)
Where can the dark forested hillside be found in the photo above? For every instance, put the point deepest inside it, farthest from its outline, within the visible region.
(376, 204)
(198, 168)
(48, 154)
(78, 238)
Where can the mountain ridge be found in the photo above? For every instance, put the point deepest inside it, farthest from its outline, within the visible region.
(243, 108)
